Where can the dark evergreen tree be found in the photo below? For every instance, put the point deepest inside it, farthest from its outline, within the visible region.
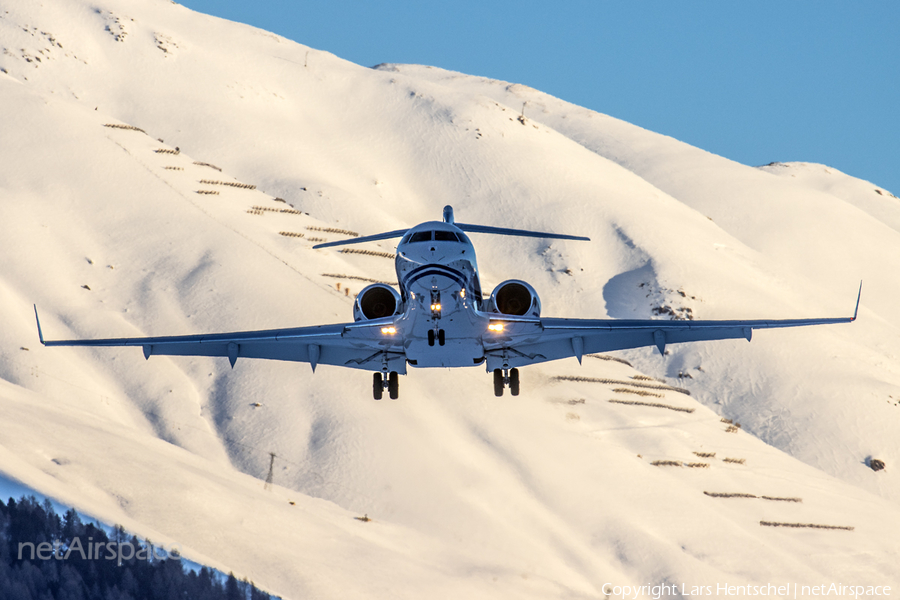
(232, 591)
(79, 569)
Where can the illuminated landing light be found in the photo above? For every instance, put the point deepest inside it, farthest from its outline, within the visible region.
(388, 330)
(436, 307)
(462, 293)
(496, 327)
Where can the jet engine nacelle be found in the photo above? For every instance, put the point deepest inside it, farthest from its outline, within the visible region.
(376, 301)
(514, 297)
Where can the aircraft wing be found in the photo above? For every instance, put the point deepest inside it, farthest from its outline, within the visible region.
(531, 340)
(360, 345)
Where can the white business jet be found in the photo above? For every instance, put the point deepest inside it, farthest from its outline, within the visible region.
(440, 318)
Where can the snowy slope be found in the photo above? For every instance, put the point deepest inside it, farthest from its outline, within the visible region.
(815, 232)
(551, 494)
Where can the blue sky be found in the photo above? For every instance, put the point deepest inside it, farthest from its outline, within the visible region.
(755, 82)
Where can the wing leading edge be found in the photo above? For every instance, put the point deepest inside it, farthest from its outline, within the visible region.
(355, 345)
(524, 340)
(527, 341)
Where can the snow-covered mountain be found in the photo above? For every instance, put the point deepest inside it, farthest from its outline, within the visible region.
(134, 133)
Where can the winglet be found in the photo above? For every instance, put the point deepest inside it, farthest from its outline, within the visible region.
(856, 310)
(40, 333)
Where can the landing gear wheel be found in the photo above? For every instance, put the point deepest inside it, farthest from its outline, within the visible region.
(393, 385)
(514, 382)
(377, 386)
(431, 337)
(441, 337)
(498, 382)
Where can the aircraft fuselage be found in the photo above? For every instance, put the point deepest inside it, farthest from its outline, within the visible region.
(442, 321)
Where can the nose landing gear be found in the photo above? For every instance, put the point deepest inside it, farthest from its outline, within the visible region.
(504, 377)
(439, 336)
(391, 383)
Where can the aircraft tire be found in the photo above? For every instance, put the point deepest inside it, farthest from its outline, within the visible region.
(377, 388)
(393, 385)
(514, 382)
(498, 382)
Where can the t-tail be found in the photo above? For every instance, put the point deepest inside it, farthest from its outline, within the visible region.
(449, 218)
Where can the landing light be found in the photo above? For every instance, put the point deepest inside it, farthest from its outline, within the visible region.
(435, 307)
(462, 293)
(389, 330)
(498, 327)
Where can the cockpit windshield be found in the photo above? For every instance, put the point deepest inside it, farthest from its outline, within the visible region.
(420, 236)
(445, 236)
(437, 236)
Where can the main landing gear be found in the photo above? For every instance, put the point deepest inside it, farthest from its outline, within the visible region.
(391, 383)
(504, 377)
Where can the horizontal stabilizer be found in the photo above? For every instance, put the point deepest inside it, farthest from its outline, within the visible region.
(448, 218)
(519, 232)
(366, 238)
